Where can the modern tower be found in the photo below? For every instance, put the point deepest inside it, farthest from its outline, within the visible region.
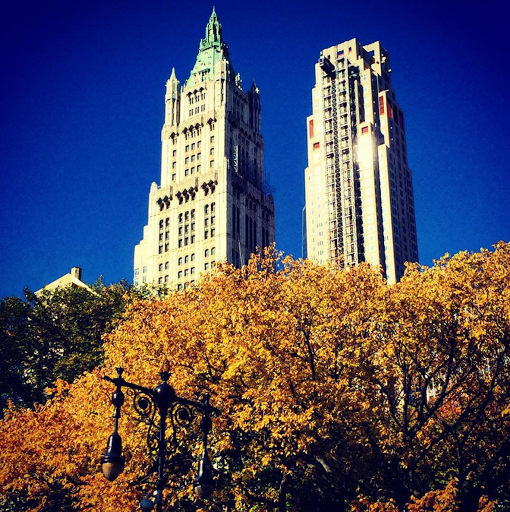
(211, 204)
(359, 191)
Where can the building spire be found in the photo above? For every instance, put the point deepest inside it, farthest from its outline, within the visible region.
(212, 51)
(212, 33)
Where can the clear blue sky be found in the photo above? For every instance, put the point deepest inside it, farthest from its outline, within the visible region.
(82, 104)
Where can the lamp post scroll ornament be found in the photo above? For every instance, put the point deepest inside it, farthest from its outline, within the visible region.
(179, 411)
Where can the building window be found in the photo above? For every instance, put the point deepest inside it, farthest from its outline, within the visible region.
(166, 265)
(213, 251)
(186, 259)
(179, 261)
(193, 257)
(160, 267)
(206, 266)
(211, 140)
(206, 253)
(179, 274)
(166, 279)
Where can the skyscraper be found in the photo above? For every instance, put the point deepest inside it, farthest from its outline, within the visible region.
(359, 192)
(210, 205)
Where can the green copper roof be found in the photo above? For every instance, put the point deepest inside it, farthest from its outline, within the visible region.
(212, 50)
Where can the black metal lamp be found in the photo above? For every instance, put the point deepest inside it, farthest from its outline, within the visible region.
(147, 504)
(204, 483)
(113, 461)
(164, 399)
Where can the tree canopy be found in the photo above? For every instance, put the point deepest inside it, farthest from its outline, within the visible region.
(55, 334)
(336, 390)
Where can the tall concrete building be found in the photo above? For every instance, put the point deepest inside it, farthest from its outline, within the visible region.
(211, 204)
(359, 192)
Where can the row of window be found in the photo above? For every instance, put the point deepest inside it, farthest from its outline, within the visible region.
(193, 98)
(197, 110)
(193, 145)
(192, 170)
(186, 259)
(185, 272)
(198, 144)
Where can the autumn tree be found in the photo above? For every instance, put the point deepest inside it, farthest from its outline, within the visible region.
(336, 391)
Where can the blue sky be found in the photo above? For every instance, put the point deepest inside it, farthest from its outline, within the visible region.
(82, 104)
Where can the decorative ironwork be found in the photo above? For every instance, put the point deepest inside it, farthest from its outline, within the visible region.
(161, 447)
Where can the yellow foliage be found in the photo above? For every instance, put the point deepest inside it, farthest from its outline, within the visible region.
(330, 384)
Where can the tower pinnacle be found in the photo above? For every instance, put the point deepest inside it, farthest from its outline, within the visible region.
(212, 50)
(212, 33)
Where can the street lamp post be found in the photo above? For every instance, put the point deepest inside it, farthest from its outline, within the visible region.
(146, 401)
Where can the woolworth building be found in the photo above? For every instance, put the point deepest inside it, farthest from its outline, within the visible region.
(210, 205)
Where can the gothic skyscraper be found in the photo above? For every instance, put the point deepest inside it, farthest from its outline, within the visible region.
(359, 192)
(210, 205)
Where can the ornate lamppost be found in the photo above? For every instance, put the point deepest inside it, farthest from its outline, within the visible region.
(180, 411)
